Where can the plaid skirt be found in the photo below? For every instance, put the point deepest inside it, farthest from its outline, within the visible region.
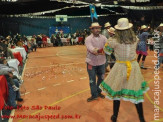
(117, 86)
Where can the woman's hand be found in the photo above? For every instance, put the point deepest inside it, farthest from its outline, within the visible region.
(95, 51)
(101, 51)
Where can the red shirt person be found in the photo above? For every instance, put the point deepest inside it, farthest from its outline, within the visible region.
(44, 40)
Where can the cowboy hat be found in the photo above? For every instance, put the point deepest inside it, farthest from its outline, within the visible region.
(123, 24)
(143, 27)
(161, 25)
(107, 25)
(111, 30)
(95, 24)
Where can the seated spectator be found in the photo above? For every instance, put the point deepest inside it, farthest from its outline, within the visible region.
(14, 96)
(8, 53)
(3, 46)
(69, 39)
(72, 39)
(48, 42)
(7, 72)
(39, 41)
(44, 40)
(59, 40)
(13, 84)
(53, 40)
(25, 43)
(20, 43)
(8, 40)
(33, 44)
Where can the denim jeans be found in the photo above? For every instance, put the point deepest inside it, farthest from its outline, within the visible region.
(94, 71)
(39, 43)
(13, 95)
(160, 59)
(33, 47)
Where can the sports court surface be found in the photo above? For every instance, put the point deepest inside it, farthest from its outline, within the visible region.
(57, 77)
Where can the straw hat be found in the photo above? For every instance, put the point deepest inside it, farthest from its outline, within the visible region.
(161, 25)
(95, 24)
(143, 27)
(107, 25)
(111, 30)
(123, 24)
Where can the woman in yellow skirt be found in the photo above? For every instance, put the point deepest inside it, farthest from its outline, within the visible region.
(125, 80)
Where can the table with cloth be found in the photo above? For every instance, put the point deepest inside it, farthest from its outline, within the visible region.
(25, 47)
(21, 50)
(14, 63)
(3, 91)
(64, 41)
(80, 39)
(17, 55)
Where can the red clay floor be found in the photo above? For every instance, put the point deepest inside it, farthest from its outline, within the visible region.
(56, 79)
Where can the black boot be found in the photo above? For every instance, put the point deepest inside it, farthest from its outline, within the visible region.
(116, 105)
(139, 108)
(139, 57)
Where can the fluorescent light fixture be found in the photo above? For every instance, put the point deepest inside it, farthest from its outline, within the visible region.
(115, 2)
(9, 0)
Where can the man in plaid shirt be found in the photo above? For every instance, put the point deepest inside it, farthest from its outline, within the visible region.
(95, 60)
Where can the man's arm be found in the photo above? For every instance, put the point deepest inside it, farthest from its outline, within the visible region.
(101, 51)
(90, 47)
(3, 72)
(6, 68)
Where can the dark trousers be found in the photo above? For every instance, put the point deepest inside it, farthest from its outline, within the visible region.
(111, 65)
(139, 57)
(151, 47)
(13, 95)
(56, 43)
(60, 43)
(94, 71)
(39, 43)
(34, 47)
(10, 80)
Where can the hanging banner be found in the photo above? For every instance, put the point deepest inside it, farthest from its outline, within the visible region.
(61, 18)
(140, 1)
(93, 13)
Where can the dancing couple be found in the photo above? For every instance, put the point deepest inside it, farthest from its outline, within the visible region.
(125, 80)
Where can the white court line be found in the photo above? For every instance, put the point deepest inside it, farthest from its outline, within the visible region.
(56, 65)
(24, 69)
(11, 114)
(41, 88)
(57, 84)
(83, 78)
(70, 81)
(27, 93)
(60, 56)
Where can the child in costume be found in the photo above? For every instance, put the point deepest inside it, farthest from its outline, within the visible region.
(125, 80)
(112, 58)
(142, 45)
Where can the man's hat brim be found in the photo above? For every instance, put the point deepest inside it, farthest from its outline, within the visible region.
(95, 27)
